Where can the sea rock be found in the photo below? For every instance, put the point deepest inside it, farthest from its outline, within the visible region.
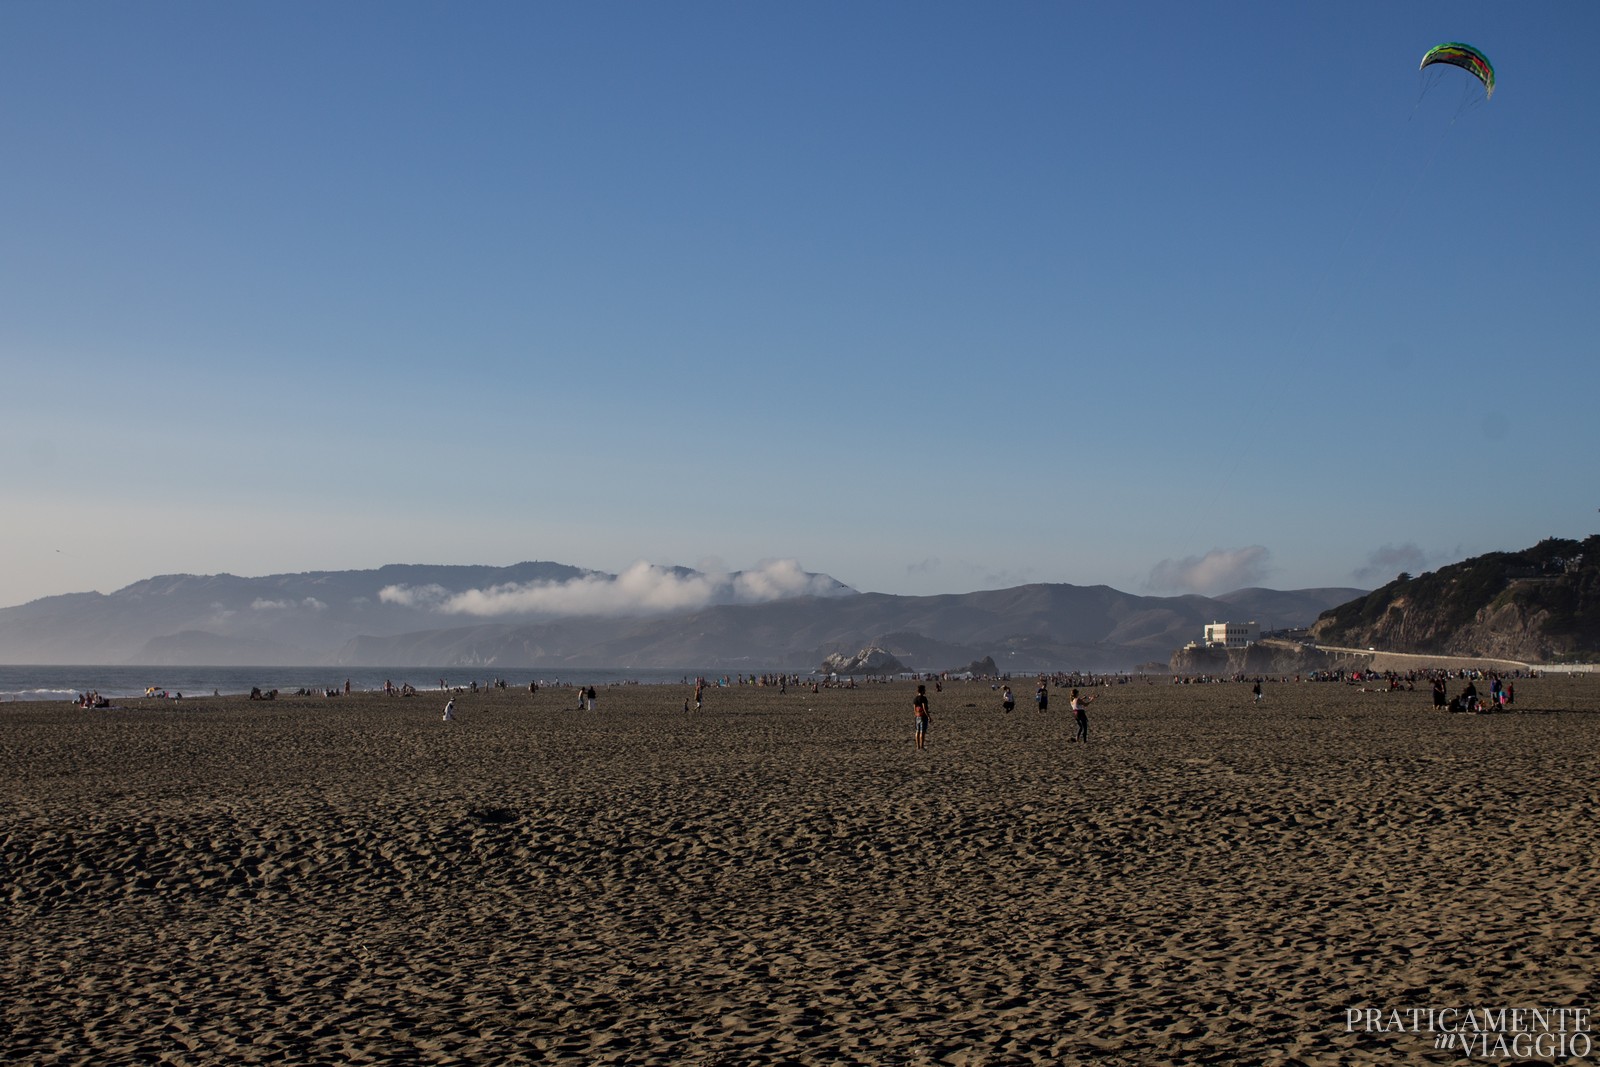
(870, 660)
(981, 668)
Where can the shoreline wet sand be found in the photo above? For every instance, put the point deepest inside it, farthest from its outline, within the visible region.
(783, 879)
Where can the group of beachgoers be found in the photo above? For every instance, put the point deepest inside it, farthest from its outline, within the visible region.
(922, 716)
(587, 694)
(769, 681)
(1502, 694)
(406, 689)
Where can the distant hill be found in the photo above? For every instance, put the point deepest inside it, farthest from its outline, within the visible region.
(225, 620)
(1024, 629)
(1540, 605)
(1262, 605)
(550, 615)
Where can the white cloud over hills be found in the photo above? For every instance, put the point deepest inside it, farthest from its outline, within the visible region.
(1218, 571)
(642, 589)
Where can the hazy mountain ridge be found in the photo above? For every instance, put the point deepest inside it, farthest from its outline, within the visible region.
(1025, 628)
(373, 617)
(162, 620)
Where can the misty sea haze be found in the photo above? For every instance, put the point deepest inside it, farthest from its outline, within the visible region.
(53, 682)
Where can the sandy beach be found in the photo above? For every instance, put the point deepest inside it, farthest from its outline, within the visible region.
(783, 879)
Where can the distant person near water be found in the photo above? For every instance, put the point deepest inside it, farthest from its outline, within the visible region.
(920, 716)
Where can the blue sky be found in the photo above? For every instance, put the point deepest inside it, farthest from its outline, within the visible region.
(929, 297)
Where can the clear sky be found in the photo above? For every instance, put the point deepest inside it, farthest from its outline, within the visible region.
(930, 297)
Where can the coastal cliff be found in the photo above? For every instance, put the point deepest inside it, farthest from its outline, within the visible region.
(1540, 605)
(1263, 657)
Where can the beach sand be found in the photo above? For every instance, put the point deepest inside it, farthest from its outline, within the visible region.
(783, 879)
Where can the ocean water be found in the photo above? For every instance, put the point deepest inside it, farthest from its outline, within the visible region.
(65, 683)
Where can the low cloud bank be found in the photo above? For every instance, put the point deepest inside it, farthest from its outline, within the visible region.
(1221, 570)
(642, 589)
(311, 602)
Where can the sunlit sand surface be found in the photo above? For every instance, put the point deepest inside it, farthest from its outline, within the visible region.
(783, 879)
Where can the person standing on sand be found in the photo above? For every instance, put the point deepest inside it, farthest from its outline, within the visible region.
(450, 710)
(1041, 696)
(920, 716)
(1256, 689)
(1080, 711)
(588, 695)
(1007, 701)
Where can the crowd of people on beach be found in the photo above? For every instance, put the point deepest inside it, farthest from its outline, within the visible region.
(1502, 694)
(1398, 679)
(922, 715)
(586, 695)
(1501, 688)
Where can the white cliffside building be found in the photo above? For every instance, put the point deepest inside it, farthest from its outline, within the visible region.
(1231, 634)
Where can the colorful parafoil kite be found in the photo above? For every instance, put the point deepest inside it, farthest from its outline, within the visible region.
(1467, 58)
